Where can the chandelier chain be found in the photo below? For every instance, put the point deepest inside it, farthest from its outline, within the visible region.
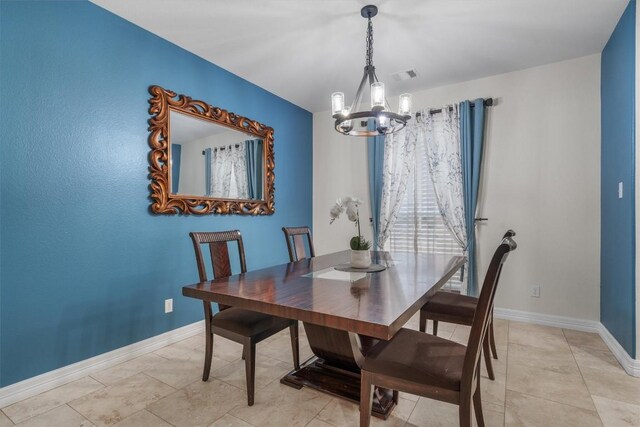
(369, 54)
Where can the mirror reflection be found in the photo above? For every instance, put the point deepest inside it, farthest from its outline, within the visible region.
(214, 161)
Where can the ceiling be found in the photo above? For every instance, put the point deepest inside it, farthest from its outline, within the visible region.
(303, 50)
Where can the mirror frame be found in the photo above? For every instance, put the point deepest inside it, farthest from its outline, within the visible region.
(162, 102)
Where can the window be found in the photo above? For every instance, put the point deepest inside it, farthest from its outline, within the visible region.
(419, 226)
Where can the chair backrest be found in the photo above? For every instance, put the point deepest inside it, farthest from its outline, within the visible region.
(295, 242)
(218, 252)
(484, 309)
(509, 233)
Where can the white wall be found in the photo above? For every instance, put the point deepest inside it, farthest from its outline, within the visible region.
(339, 169)
(541, 178)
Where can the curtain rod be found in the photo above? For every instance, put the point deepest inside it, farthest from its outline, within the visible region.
(488, 102)
(221, 148)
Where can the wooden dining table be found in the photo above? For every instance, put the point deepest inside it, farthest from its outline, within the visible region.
(344, 313)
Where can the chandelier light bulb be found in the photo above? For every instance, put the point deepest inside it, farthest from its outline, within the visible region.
(377, 95)
(346, 126)
(383, 124)
(404, 107)
(337, 102)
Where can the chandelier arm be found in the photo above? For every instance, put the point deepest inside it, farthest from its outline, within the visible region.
(356, 100)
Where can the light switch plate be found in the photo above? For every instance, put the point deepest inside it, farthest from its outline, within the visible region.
(620, 190)
(168, 305)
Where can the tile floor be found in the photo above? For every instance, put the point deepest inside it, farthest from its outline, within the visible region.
(544, 377)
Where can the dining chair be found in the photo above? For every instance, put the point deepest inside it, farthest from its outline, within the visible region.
(433, 367)
(295, 242)
(459, 309)
(245, 327)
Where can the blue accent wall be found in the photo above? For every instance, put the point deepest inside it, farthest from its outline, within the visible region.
(85, 267)
(617, 256)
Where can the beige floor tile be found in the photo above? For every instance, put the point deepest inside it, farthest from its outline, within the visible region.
(587, 357)
(222, 348)
(584, 339)
(543, 337)
(530, 328)
(342, 413)
(617, 414)
(501, 330)
(267, 370)
(280, 349)
(568, 388)
(198, 404)
(279, 405)
(51, 399)
(179, 372)
(318, 423)
(493, 415)
(60, 416)
(494, 391)
(559, 360)
(120, 400)
(142, 418)
(230, 421)
(4, 420)
(433, 413)
(523, 410)
(196, 341)
(127, 369)
(460, 335)
(612, 385)
(409, 396)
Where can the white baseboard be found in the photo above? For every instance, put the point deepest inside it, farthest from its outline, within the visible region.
(547, 320)
(630, 365)
(52, 379)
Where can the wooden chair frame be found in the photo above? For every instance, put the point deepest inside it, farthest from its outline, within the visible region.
(295, 242)
(470, 382)
(219, 254)
(489, 347)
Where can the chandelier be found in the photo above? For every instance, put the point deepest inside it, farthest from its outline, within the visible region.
(380, 120)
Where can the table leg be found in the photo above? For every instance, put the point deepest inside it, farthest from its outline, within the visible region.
(335, 368)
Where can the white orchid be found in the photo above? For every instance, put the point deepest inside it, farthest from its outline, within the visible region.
(350, 204)
(352, 212)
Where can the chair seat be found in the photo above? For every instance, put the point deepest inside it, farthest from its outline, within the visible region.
(448, 305)
(418, 357)
(248, 323)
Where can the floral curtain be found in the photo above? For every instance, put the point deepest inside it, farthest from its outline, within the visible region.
(441, 135)
(239, 165)
(398, 163)
(228, 172)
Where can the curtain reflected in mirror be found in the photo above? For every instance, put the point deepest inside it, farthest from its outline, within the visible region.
(210, 160)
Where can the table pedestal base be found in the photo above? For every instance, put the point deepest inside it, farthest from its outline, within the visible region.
(339, 382)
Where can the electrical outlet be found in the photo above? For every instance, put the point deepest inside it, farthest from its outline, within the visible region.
(535, 292)
(168, 305)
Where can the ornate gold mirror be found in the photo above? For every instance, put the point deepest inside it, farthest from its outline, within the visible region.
(207, 160)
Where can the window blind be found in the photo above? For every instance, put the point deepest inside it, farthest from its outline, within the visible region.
(419, 226)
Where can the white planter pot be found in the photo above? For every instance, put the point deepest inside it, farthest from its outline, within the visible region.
(360, 259)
